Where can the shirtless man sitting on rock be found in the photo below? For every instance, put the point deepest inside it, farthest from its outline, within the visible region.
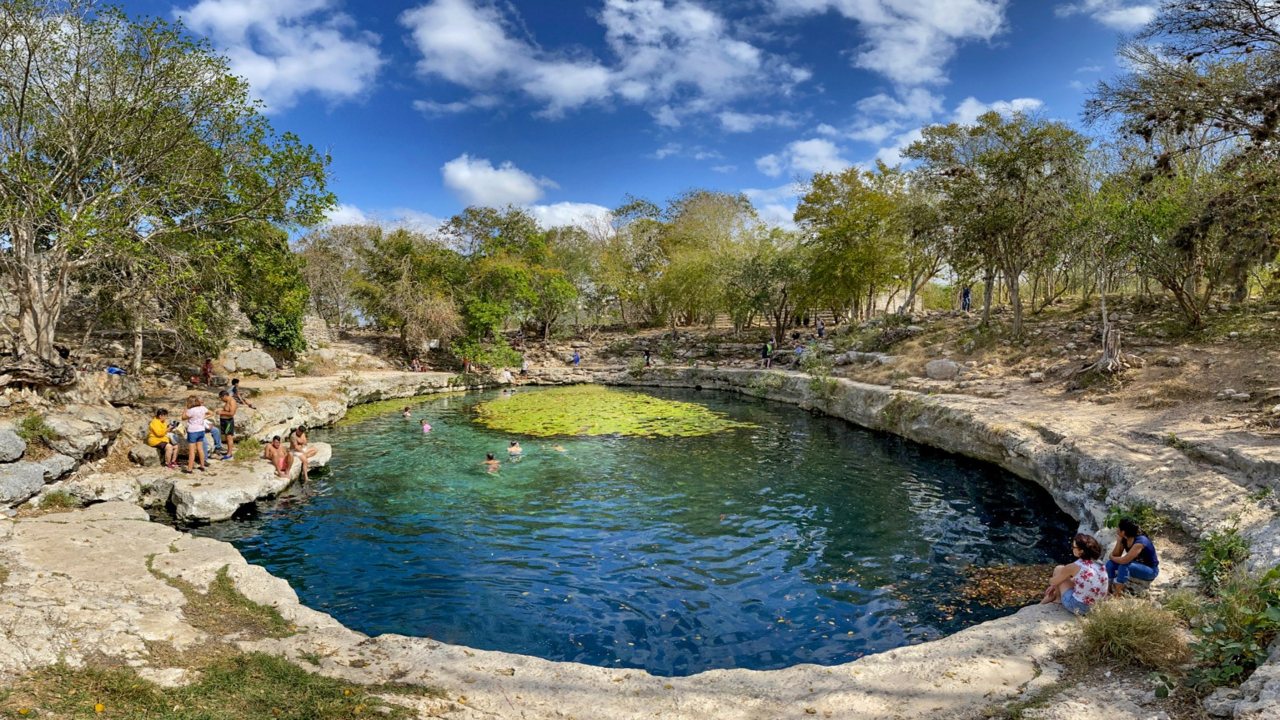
(279, 457)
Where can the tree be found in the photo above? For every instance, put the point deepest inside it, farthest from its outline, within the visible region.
(1008, 181)
(330, 265)
(115, 137)
(409, 284)
(854, 233)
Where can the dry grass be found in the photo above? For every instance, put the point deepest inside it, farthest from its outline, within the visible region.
(223, 611)
(1133, 630)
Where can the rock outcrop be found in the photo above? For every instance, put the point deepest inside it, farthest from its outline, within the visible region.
(80, 430)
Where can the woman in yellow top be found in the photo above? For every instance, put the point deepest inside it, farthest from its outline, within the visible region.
(158, 438)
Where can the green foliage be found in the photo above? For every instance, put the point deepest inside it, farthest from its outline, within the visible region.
(1133, 631)
(636, 367)
(1222, 553)
(595, 410)
(1185, 603)
(766, 382)
(271, 289)
(1235, 629)
(32, 428)
(58, 500)
(937, 296)
(237, 686)
(1146, 516)
(130, 191)
(495, 354)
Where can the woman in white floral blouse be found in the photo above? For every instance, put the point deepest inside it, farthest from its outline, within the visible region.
(1082, 584)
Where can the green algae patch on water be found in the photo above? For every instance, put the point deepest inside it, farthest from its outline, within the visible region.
(360, 413)
(596, 410)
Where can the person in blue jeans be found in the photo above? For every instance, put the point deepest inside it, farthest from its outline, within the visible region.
(1134, 556)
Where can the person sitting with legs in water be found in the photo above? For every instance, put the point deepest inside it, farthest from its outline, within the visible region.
(1134, 556)
(299, 448)
(279, 456)
(1082, 584)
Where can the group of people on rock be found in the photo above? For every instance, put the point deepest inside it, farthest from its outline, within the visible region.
(211, 434)
(1081, 585)
(198, 430)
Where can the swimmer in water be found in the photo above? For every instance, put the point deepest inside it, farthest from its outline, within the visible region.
(426, 426)
(406, 413)
(514, 449)
(558, 448)
(491, 463)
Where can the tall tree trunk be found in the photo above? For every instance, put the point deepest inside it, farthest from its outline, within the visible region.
(1015, 299)
(988, 289)
(136, 364)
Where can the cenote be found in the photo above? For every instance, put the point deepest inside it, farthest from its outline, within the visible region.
(786, 538)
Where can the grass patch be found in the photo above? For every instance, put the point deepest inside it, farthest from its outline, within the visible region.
(224, 610)
(1186, 604)
(252, 685)
(58, 501)
(1133, 630)
(247, 450)
(32, 428)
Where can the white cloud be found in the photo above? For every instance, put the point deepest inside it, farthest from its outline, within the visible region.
(804, 157)
(289, 48)
(776, 206)
(915, 103)
(910, 41)
(724, 169)
(345, 214)
(971, 108)
(1122, 15)
(736, 122)
(893, 154)
(477, 182)
(584, 215)
(435, 109)
(672, 57)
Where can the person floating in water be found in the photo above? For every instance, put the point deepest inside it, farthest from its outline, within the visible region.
(406, 413)
(491, 463)
(514, 449)
(558, 448)
(426, 426)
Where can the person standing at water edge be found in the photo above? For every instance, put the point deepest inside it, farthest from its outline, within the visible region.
(1134, 556)
(227, 422)
(1082, 584)
(766, 354)
(196, 427)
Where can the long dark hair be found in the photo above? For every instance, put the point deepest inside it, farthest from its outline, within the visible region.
(1130, 527)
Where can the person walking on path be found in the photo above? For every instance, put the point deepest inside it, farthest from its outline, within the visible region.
(197, 424)
(766, 354)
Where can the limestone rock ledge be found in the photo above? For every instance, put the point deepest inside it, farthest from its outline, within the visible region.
(200, 497)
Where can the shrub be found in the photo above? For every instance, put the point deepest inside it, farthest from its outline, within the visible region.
(1235, 629)
(58, 500)
(635, 367)
(33, 428)
(1133, 630)
(1220, 554)
(1147, 518)
(1186, 604)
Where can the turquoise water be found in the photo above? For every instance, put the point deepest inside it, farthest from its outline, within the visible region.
(803, 540)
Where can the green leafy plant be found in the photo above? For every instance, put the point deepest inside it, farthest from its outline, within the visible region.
(32, 428)
(1146, 516)
(1235, 630)
(1220, 554)
(635, 367)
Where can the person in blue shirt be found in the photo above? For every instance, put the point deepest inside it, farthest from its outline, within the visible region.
(1134, 556)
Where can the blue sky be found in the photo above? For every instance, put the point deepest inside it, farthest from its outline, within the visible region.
(430, 105)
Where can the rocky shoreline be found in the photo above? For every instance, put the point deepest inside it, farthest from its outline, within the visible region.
(80, 580)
